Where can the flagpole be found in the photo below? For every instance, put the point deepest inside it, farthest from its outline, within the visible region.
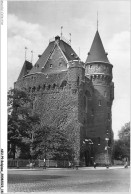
(25, 52)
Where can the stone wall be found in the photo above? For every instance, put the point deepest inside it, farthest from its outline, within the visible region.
(101, 76)
(56, 103)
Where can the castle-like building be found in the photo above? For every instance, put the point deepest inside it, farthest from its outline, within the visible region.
(74, 96)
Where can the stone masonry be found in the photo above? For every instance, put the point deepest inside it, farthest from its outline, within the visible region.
(74, 96)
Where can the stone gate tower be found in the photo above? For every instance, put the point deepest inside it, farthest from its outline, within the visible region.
(99, 70)
(74, 96)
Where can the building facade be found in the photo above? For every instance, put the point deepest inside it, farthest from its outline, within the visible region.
(74, 96)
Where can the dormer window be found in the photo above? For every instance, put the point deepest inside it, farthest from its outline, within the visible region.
(60, 63)
(50, 65)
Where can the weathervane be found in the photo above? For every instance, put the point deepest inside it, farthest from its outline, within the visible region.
(61, 30)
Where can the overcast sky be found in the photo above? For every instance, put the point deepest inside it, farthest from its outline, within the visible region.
(33, 23)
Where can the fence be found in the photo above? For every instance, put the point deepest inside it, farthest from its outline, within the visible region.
(17, 163)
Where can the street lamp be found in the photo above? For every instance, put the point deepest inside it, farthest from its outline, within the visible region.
(45, 149)
(106, 148)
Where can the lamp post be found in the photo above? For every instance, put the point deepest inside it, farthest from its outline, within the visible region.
(45, 149)
(106, 148)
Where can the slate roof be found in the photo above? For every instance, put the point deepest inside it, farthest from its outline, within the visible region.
(66, 49)
(97, 52)
(27, 66)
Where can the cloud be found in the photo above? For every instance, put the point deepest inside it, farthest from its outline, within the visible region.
(21, 34)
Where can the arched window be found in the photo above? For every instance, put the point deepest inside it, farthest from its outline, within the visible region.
(38, 88)
(54, 85)
(63, 84)
(78, 79)
(49, 86)
(44, 87)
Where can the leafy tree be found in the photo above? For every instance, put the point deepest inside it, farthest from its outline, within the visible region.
(51, 143)
(124, 134)
(20, 122)
(122, 145)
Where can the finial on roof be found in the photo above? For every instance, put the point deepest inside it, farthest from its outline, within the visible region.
(70, 37)
(25, 51)
(31, 56)
(61, 31)
(97, 20)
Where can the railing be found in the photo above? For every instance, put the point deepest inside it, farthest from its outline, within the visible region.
(18, 163)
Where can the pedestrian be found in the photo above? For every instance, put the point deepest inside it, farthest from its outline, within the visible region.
(77, 164)
(44, 164)
(69, 164)
(94, 165)
(126, 165)
(31, 165)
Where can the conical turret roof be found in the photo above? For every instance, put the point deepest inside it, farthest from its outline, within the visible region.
(97, 52)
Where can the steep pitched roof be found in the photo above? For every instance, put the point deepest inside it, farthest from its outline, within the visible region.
(27, 66)
(41, 61)
(67, 50)
(97, 52)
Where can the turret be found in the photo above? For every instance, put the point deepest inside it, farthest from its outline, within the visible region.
(99, 70)
(76, 74)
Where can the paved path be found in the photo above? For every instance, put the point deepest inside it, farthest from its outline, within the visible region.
(86, 179)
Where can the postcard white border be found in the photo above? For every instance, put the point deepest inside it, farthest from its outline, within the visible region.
(3, 96)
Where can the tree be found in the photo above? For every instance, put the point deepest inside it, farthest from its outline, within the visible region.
(20, 122)
(122, 145)
(52, 143)
(124, 133)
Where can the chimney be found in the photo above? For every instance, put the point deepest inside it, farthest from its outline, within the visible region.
(57, 39)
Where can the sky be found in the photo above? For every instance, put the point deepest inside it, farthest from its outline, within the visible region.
(33, 23)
